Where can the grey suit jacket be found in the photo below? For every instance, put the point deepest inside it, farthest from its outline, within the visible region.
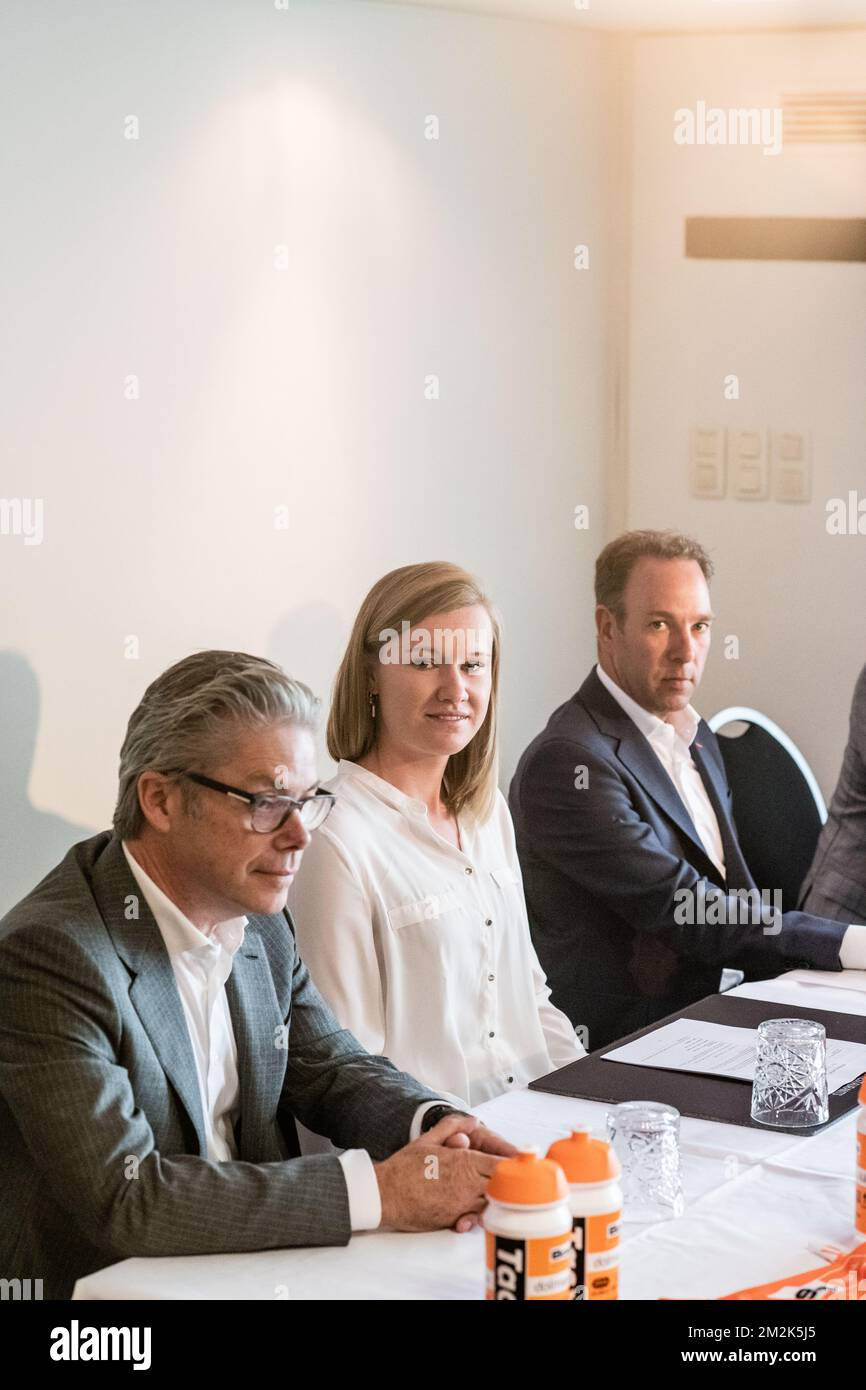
(102, 1146)
(835, 885)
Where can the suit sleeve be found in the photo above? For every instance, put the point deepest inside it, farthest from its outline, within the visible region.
(836, 879)
(593, 835)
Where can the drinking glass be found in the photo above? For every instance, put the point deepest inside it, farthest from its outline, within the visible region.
(645, 1136)
(790, 1085)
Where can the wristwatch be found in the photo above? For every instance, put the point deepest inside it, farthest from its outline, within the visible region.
(436, 1113)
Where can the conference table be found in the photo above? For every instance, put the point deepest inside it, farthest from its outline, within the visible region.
(759, 1206)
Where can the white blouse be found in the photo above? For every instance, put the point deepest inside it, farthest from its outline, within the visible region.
(423, 950)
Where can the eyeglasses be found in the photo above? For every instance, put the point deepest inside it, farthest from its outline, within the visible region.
(268, 812)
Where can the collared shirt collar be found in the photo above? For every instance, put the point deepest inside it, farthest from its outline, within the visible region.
(180, 935)
(649, 724)
(386, 791)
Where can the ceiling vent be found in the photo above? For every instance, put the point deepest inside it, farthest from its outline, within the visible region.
(824, 118)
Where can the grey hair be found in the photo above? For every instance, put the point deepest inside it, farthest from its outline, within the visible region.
(186, 713)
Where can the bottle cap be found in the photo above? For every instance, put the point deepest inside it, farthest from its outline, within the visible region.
(527, 1180)
(585, 1159)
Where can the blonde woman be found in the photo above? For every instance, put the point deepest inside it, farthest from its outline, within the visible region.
(409, 903)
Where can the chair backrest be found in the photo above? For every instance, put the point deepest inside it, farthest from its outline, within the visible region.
(777, 804)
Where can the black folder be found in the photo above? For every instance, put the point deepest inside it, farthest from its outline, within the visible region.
(703, 1097)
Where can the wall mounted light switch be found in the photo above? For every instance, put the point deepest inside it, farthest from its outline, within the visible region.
(791, 466)
(707, 461)
(747, 464)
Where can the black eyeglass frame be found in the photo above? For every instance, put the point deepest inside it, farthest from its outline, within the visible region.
(256, 799)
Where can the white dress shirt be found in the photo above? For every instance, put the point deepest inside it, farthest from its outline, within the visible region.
(202, 963)
(673, 753)
(423, 949)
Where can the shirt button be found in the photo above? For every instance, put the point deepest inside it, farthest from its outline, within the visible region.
(488, 921)
(491, 977)
(467, 870)
(510, 1080)
(491, 1035)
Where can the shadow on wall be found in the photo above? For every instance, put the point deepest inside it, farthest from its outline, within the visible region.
(308, 642)
(31, 841)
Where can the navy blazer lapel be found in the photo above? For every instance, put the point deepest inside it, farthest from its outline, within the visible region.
(153, 991)
(261, 1042)
(634, 751)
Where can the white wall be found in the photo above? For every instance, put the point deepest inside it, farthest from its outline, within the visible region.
(303, 387)
(795, 334)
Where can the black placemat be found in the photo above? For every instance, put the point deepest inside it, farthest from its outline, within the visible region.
(702, 1097)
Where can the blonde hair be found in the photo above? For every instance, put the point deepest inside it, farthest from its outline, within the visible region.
(408, 595)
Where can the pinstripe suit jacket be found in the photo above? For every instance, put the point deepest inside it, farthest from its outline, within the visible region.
(102, 1148)
(835, 885)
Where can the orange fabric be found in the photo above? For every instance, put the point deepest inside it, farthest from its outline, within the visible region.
(845, 1278)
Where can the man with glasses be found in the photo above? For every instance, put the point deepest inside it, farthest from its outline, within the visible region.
(160, 1034)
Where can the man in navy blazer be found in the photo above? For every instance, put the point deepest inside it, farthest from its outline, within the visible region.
(637, 890)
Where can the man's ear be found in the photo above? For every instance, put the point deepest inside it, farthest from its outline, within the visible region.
(159, 798)
(604, 621)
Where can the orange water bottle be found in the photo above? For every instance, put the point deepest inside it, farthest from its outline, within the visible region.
(592, 1172)
(528, 1227)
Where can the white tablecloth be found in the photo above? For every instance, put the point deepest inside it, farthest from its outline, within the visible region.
(759, 1206)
